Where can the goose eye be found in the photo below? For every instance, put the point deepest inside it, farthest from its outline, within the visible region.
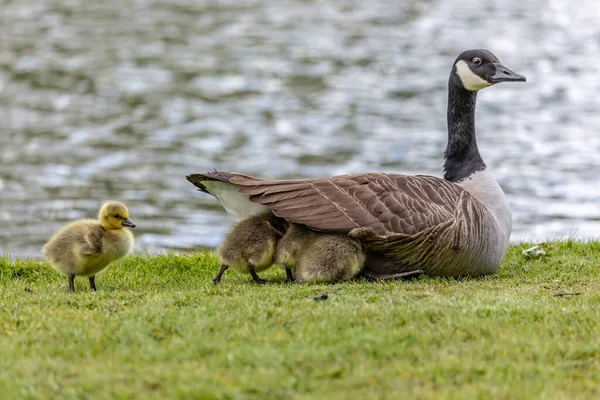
(477, 61)
(117, 216)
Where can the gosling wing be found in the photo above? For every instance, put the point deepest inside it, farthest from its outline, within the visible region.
(91, 243)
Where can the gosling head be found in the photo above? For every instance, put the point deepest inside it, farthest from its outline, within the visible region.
(114, 215)
(476, 69)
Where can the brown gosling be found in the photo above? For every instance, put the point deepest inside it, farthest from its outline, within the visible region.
(250, 246)
(319, 257)
(85, 247)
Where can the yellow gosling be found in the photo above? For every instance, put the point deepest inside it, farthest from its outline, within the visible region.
(85, 247)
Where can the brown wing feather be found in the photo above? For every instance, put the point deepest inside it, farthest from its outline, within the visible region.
(386, 203)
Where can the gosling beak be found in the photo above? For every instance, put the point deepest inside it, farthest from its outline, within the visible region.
(129, 223)
(504, 74)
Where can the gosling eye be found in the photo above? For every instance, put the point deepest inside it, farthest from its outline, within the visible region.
(117, 216)
(476, 61)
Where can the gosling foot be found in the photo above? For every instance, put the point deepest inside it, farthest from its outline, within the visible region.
(255, 278)
(217, 279)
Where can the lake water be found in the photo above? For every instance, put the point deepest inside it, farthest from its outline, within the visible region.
(122, 99)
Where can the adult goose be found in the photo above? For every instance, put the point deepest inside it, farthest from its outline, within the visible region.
(456, 226)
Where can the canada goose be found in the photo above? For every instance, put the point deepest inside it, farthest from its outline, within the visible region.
(319, 257)
(456, 226)
(87, 246)
(250, 246)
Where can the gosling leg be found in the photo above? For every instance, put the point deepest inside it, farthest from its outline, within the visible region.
(71, 283)
(290, 276)
(255, 277)
(93, 283)
(217, 279)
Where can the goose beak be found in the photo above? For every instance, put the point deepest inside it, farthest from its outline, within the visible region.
(129, 223)
(504, 74)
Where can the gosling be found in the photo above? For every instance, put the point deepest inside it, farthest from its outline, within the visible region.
(319, 257)
(87, 246)
(250, 246)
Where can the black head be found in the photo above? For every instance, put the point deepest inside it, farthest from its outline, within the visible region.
(477, 69)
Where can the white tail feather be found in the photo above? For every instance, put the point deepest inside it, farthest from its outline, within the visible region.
(236, 204)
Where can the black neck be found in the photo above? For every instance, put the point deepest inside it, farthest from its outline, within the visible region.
(462, 155)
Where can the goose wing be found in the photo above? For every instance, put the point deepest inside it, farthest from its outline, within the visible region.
(385, 203)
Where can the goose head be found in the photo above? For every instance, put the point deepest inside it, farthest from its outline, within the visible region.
(476, 69)
(114, 215)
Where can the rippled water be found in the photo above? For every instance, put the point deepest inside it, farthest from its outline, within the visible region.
(122, 99)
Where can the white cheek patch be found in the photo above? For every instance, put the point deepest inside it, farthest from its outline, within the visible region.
(468, 78)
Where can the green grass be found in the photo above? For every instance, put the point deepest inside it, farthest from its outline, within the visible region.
(158, 328)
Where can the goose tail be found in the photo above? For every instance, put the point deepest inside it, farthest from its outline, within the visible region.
(199, 180)
(217, 184)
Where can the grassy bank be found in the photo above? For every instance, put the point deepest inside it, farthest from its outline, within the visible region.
(158, 328)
